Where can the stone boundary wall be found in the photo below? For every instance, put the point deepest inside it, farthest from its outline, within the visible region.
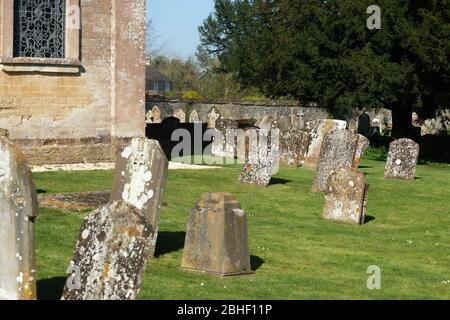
(255, 111)
(234, 110)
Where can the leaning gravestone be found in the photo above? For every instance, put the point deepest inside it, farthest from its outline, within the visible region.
(293, 147)
(140, 179)
(317, 132)
(217, 237)
(338, 151)
(402, 160)
(263, 157)
(111, 254)
(363, 144)
(346, 196)
(18, 209)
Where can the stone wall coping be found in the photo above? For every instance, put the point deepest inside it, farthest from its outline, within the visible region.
(293, 104)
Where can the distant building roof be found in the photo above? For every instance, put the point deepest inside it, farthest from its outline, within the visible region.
(155, 75)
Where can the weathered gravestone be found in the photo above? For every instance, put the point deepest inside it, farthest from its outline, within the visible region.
(212, 118)
(111, 254)
(318, 132)
(402, 160)
(363, 144)
(18, 209)
(282, 123)
(217, 237)
(293, 147)
(338, 151)
(140, 179)
(194, 117)
(265, 123)
(346, 196)
(221, 146)
(263, 157)
(181, 115)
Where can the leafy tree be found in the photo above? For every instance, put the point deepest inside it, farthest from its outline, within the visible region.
(321, 52)
(183, 72)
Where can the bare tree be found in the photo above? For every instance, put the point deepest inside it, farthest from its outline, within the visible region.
(153, 45)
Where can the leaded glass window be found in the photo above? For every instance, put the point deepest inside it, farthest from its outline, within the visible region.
(39, 28)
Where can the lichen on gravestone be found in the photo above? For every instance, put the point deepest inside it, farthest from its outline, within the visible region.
(263, 157)
(18, 210)
(338, 151)
(140, 178)
(293, 147)
(346, 196)
(402, 160)
(110, 255)
(317, 131)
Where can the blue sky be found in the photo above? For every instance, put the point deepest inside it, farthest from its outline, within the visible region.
(177, 21)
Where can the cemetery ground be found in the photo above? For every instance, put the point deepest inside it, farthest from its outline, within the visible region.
(295, 253)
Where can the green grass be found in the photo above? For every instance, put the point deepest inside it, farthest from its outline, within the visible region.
(296, 254)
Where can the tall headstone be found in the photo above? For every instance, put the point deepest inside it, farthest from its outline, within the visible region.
(111, 254)
(140, 178)
(18, 210)
(217, 237)
(293, 147)
(263, 157)
(346, 196)
(402, 160)
(338, 151)
(364, 125)
(363, 144)
(318, 132)
(181, 115)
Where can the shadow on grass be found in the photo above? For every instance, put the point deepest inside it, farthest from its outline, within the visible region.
(169, 242)
(256, 262)
(275, 181)
(51, 289)
(369, 219)
(40, 191)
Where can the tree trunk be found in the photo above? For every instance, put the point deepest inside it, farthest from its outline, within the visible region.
(402, 122)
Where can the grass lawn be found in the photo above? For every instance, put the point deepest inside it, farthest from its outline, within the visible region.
(295, 253)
